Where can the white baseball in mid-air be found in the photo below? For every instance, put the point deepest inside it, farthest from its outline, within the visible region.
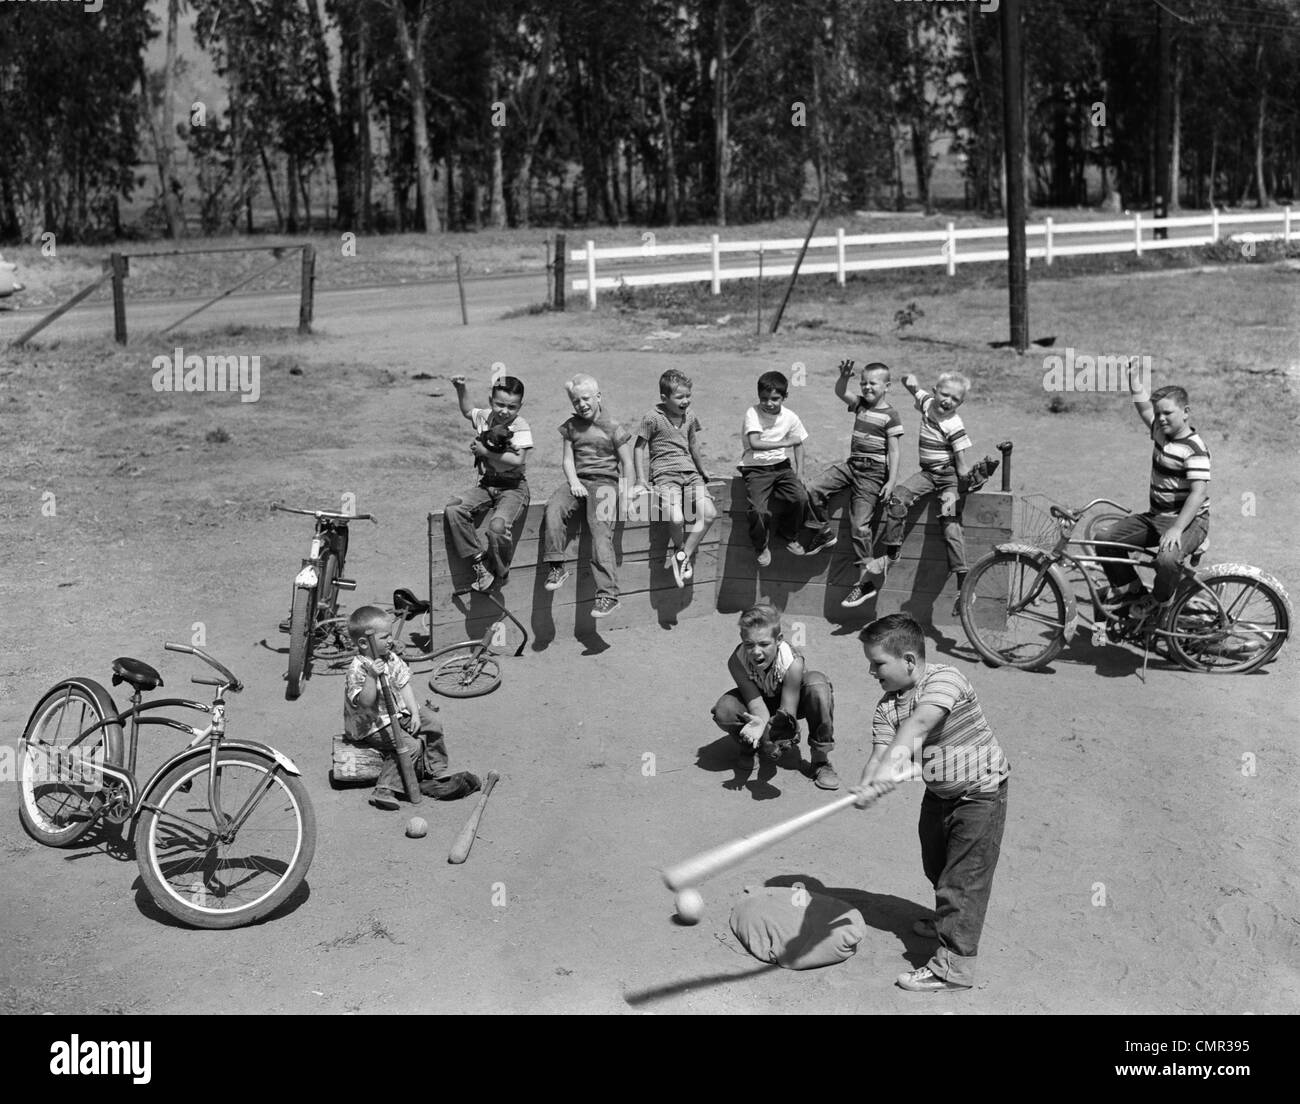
(690, 906)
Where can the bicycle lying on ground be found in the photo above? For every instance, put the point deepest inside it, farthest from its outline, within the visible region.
(1018, 609)
(224, 830)
(313, 616)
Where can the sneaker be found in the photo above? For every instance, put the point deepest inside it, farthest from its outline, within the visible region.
(956, 608)
(604, 606)
(483, 578)
(765, 557)
(825, 778)
(384, 798)
(926, 980)
(1143, 608)
(860, 592)
(688, 569)
(925, 928)
(679, 559)
(823, 540)
(1119, 598)
(879, 566)
(556, 577)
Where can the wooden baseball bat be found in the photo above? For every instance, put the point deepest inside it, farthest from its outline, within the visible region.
(460, 849)
(706, 864)
(404, 765)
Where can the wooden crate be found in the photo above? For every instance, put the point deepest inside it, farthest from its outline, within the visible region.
(350, 763)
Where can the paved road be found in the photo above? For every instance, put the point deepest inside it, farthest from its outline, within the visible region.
(373, 309)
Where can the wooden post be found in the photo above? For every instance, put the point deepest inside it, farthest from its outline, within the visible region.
(951, 243)
(1047, 239)
(58, 312)
(715, 263)
(307, 300)
(460, 286)
(758, 292)
(559, 271)
(1286, 224)
(839, 256)
(1137, 232)
(1214, 225)
(120, 269)
(591, 275)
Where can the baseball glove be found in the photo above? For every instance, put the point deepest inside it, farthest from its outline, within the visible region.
(783, 728)
(980, 474)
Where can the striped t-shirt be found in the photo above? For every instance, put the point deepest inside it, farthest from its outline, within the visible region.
(939, 443)
(961, 755)
(1175, 463)
(872, 428)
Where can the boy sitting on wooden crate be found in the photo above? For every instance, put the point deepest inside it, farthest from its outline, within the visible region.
(418, 729)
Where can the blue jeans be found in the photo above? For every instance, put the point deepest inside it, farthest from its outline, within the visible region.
(1146, 530)
(961, 838)
(913, 489)
(428, 739)
(560, 539)
(863, 481)
(463, 514)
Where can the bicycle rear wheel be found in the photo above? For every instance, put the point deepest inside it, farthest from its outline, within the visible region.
(300, 633)
(465, 670)
(1002, 624)
(1249, 630)
(59, 786)
(208, 881)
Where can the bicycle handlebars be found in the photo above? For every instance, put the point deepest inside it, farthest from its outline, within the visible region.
(230, 680)
(332, 514)
(1064, 513)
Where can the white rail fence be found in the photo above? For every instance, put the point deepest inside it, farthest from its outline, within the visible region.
(1131, 235)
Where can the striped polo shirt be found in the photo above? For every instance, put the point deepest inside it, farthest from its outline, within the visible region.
(670, 444)
(961, 755)
(939, 442)
(1175, 463)
(872, 428)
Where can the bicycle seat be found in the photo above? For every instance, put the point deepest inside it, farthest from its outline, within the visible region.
(407, 605)
(136, 672)
(1061, 513)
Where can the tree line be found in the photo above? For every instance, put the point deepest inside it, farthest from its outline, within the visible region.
(430, 115)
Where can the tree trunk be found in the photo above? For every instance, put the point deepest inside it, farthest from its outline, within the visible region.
(367, 164)
(171, 206)
(270, 183)
(722, 143)
(1175, 136)
(1261, 185)
(341, 144)
(412, 47)
(291, 186)
(497, 194)
(670, 154)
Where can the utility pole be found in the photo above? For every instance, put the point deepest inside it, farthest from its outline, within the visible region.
(1163, 186)
(1013, 143)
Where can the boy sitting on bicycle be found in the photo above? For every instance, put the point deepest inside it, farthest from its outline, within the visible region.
(502, 490)
(418, 730)
(1178, 520)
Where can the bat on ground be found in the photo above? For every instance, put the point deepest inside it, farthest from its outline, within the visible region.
(409, 784)
(460, 849)
(706, 864)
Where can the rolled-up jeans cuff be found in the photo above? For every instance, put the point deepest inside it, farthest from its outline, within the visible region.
(959, 969)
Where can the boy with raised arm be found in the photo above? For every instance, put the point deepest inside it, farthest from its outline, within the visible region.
(869, 474)
(1177, 520)
(502, 490)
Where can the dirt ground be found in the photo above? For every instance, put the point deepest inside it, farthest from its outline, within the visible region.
(1142, 870)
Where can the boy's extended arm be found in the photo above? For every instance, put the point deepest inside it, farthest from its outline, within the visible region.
(1172, 537)
(892, 450)
(962, 462)
(790, 687)
(406, 703)
(641, 462)
(571, 471)
(696, 459)
(501, 459)
(462, 396)
(626, 464)
(1142, 400)
(842, 385)
(896, 762)
(751, 693)
(797, 453)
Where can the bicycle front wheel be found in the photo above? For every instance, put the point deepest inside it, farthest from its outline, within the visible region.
(1243, 631)
(59, 784)
(1013, 611)
(466, 670)
(300, 633)
(210, 877)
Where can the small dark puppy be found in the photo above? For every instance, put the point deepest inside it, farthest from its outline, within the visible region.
(496, 437)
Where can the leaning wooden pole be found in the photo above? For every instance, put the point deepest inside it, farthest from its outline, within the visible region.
(817, 214)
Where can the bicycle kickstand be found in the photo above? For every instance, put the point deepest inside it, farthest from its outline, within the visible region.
(497, 602)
